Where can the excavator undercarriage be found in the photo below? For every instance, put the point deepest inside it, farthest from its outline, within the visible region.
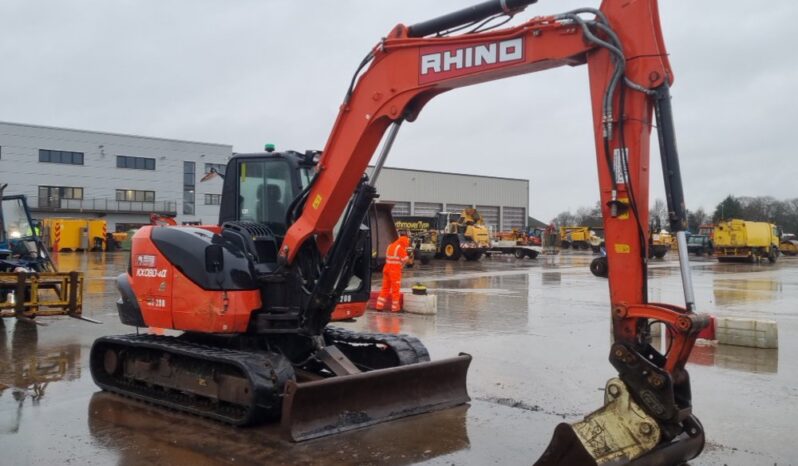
(239, 381)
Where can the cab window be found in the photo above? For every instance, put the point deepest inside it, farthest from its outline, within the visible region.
(265, 192)
(305, 175)
(15, 219)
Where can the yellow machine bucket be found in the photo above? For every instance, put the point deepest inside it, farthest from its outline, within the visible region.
(621, 432)
(337, 404)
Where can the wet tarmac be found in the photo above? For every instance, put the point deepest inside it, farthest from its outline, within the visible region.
(539, 334)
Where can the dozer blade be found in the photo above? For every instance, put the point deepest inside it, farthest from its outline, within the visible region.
(338, 404)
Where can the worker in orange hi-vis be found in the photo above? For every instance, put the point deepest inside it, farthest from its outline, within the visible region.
(395, 259)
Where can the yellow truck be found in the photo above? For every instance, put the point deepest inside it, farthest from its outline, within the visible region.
(576, 237)
(746, 240)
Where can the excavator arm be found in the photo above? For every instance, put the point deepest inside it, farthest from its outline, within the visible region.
(629, 76)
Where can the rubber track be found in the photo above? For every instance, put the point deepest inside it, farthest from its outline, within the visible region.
(266, 372)
(409, 350)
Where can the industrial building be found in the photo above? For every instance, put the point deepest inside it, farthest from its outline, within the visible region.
(502, 202)
(124, 178)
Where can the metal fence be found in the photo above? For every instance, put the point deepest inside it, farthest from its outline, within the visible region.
(102, 205)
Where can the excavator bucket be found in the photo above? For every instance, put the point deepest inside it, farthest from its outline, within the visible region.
(337, 404)
(567, 449)
(620, 433)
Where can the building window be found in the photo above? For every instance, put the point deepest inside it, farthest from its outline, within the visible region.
(189, 176)
(50, 196)
(135, 195)
(60, 156)
(138, 163)
(219, 167)
(213, 199)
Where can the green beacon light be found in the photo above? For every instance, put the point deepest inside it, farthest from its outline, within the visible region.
(269, 147)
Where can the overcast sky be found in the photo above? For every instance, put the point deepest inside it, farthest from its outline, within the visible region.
(250, 72)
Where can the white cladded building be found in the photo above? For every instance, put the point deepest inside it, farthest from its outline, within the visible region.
(502, 202)
(124, 178)
(119, 177)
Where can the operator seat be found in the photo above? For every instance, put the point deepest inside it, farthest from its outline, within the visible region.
(274, 214)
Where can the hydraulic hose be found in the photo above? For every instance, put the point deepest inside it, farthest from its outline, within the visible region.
(468, 15)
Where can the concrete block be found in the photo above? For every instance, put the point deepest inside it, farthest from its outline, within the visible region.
(753, 333)
(420, 304)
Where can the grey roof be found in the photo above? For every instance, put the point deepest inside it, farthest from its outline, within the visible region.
(113, 134)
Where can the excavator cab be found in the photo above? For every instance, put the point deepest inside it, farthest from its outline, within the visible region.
(261, 188)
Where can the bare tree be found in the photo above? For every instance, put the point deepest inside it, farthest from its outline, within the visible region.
(564, 219)
(696, 218)
(658, 212)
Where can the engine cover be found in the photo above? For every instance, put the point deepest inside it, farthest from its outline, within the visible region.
(190, 279)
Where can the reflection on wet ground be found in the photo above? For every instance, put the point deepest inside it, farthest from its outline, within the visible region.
(538, 331)
(740, 289)
(120, 424)
(27, 368)
(754, 360)
(736, 358)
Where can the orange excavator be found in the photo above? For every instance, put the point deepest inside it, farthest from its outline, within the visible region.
(254, 294)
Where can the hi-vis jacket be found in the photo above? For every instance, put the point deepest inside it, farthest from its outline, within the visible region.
(396, 254)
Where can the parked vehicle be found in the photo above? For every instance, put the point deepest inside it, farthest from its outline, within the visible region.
(600, 266)
(700, 245)
(596, 241)
(707, 229)
(30, 284)
(659, 243)
(788, 244)
(535, 235)
(462, 234)
(448, 235)
(422, 233)
(517, 243)
(579, 237)
(746, 240)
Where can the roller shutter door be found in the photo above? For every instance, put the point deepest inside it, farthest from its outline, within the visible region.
(457, 208)
(513, 217)
(490, 215)
(400, 207)
(427, 209)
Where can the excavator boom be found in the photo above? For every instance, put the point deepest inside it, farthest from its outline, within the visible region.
(629, 77)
